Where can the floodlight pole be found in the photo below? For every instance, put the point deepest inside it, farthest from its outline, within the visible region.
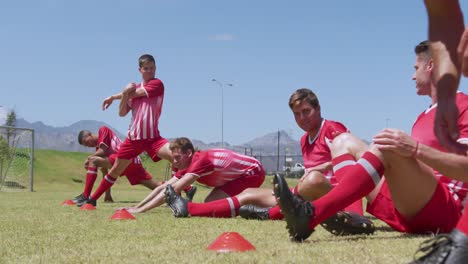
(221, 85)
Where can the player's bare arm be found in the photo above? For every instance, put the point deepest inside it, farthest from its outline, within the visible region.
(108, 101)
(184, 182)
(445, 29)
(123, 106)
(451, 165)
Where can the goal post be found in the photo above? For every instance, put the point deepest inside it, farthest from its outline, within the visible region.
(16, 159)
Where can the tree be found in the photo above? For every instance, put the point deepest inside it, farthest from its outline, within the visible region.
(10, 122)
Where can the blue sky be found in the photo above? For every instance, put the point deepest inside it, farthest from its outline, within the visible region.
(60, 59)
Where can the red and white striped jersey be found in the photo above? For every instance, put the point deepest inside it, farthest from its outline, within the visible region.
(423, 131)
(146, 111)
(108, 137)
(216, 167)
(316, 151)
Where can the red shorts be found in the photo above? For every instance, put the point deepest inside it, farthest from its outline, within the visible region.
(134, 172)
(440, 215)
(238, 185)
(130, 149)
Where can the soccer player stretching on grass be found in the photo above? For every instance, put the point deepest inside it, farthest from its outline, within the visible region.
(228, 172)
(107, 144)
(145, 101)
(317, 181)
(414, 197)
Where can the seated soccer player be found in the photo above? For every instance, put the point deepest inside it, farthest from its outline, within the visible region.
(413, 197)
(228, 172)
(258, 203)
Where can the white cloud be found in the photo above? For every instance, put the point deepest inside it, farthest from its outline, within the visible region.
(222, 37)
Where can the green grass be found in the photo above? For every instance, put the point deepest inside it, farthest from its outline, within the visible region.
(35, 228)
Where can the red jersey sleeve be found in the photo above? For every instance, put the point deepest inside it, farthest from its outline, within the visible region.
(334, 129)
(154, 88)
(201, 165)
(105, 136)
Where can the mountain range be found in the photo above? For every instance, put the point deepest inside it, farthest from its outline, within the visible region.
(65, 139)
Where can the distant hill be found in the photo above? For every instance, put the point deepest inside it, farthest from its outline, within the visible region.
(65, 139)
(62, 138)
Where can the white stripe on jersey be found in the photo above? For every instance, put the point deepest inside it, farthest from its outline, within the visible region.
(143, 120)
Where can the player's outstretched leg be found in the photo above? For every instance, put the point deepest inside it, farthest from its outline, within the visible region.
(348, 223)
(177, 204)
(250, 211)
(445, 248)
(297, 212)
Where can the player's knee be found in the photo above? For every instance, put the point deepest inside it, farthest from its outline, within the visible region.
(344, 142)
(313, 180)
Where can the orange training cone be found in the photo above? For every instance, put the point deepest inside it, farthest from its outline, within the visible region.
(230, 242)
(122, 214)
(68, 202)
(87, 207)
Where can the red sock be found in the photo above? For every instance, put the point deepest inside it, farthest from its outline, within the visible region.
(275, 213)
(91, 175)
(105, 185)
(228, 207)
(356, 182)
(462, 224)
(340, 163)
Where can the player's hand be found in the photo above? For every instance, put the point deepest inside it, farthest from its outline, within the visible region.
(446, 127)
(86, 164)
(131, 87)
(107, 102)
(396, 141)
(463, 52)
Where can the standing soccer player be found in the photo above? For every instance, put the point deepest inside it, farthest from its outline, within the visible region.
(145, 101)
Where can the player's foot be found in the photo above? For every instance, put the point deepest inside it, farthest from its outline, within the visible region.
(348, 223)
(91, 201)
(250, 211)
(79, 198)
(190, 193)
(177, 204)
(87, 201)
(297, 212)
(445, 248)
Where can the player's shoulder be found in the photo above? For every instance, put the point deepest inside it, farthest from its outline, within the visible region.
(155, 82)
(104, 129)
(330, 126)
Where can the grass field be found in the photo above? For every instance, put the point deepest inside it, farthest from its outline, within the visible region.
(35, 228)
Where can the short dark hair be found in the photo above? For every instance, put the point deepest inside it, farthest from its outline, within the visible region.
(182, 143)
(423, 49)
(81, 135)
(301, 95)
(145, 58)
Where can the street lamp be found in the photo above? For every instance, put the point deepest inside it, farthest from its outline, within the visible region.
(221, 85)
